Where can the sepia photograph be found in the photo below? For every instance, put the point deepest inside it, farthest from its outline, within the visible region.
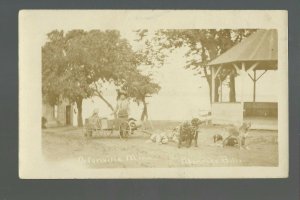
(153, 94)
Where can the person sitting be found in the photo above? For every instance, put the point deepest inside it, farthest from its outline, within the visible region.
(93, 123)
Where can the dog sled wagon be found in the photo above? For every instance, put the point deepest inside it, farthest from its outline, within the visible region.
(106, 127)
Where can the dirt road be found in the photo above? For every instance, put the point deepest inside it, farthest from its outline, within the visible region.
(63, 144)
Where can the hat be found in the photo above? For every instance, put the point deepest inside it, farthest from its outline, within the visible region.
(122, 92)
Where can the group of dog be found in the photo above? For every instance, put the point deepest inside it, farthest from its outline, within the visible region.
(188, 131)
(184, 133)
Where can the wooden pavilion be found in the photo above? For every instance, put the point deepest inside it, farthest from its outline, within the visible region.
(257, 52)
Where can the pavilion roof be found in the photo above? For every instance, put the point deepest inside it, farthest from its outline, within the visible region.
(261, 47)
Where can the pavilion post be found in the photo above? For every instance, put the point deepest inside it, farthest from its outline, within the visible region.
(243, 74)
(221, 90)
(254, 86)
(253, 78)
(212, 84)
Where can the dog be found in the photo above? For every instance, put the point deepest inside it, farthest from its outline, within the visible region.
(232, 142)
(236, 136)
(217, 138)
(188, 131)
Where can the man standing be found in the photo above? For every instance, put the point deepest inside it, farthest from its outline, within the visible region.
(122, 108)
(122, 113)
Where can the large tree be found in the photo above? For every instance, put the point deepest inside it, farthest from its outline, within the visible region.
(203, 46)
(73, 62)
(112, 64)
(139, 87)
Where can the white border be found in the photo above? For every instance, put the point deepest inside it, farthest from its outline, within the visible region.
(33, 24)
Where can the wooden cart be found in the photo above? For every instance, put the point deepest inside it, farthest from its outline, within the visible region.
(106, 127)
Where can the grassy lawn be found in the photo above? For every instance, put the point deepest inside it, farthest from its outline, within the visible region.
(67, 144)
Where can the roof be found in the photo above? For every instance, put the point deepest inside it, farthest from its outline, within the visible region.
(261, 47)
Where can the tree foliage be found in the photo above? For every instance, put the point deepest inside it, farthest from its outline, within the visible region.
(203, 46)
(140, 86)
(71, 62)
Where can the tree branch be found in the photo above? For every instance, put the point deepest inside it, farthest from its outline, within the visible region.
(98, 93)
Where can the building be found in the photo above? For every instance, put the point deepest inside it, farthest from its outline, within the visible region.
(62, 114)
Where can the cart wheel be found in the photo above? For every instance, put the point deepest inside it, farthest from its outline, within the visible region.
(132, 126)
(125, 130)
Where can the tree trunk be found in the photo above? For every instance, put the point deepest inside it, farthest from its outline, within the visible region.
(79, 108)
(210, 92)
(217, 84)
(208, 79)
(144, 115)
(232, 96)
